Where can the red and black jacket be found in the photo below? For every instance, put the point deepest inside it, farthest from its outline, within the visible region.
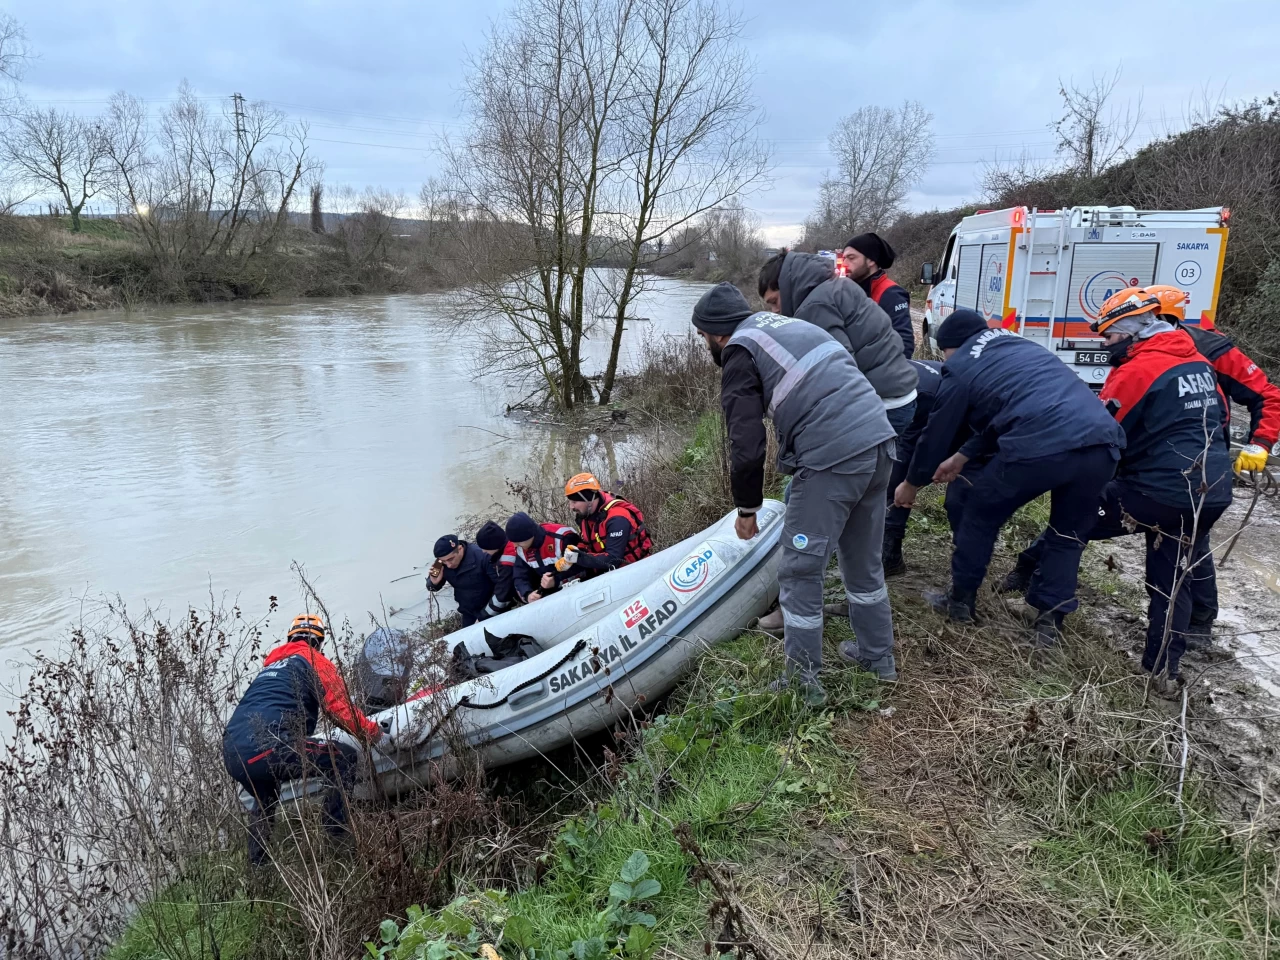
(1243, 381)
(614, 536)
(896, 302)
(1166, 397)
(283, 703)
(528, 566)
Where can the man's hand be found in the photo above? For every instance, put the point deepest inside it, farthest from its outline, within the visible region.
(566, 561)
(533, 595)
(905, 495)
(548, 581)
(746, 527)
(1251, 459)
(950, 468)
(436, 573)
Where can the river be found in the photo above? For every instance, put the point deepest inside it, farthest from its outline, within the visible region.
(171, 454)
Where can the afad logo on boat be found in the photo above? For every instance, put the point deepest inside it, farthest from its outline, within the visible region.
(694, 572)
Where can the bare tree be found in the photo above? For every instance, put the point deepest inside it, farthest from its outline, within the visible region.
(1092, 134)
(197, 183)
(369, 226)
(15, 51)
(880, 155)
(599, 129)
(58, 151)
(317, 207)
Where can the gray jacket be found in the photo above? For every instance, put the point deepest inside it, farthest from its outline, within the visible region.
(810, 290)
(823, 408)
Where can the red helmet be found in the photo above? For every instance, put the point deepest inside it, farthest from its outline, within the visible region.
(1129, 302)
(308, 627)
(1173, 300)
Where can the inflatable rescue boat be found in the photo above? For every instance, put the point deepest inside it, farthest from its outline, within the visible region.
(607, 645)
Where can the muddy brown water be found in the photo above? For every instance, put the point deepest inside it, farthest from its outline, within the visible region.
(174, 453)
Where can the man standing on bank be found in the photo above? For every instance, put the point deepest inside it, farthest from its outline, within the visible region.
(836, 442)
(866, 258)
(1044, 432)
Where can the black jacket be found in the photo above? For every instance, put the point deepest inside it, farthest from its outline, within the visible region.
(473, 584)
(896, 302)
(809, 290)
(742, 397)
(1018, 399)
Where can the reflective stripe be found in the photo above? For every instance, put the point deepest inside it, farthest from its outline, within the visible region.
(799, 622)
(780, 354)
(802, 367)
(863, 599)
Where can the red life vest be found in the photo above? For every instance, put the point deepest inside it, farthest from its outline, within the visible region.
(593, 531)
(544, 556)
(879, 284)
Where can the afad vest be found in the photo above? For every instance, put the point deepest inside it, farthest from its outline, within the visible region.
(878, 286)
(824, 409)
(593, 531)
(544, 556)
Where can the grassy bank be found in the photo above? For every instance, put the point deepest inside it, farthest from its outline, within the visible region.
(990, 804)
(45, 268)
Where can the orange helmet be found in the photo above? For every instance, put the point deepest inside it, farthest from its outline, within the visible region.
(582, 486)
(308, 627)
(1129, 302)
(1173, 300)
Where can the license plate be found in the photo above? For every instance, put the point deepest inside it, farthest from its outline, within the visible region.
(1092, 358)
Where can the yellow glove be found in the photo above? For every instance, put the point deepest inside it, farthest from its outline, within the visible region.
(568, 560)
(1252, 458)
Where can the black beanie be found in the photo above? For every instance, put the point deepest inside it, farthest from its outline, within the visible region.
(721, 309)
(521, 528)
(446, 545)
(491, 536)
(873, 248)
(959, 327)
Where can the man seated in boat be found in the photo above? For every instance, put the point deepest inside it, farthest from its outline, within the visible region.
(492, 539)
(613, 531)
(544, 556)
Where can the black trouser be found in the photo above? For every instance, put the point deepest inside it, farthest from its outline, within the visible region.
(895, 519)
(1169, 549)
(261, 772)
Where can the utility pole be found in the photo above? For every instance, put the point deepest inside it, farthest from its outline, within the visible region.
(237, 104)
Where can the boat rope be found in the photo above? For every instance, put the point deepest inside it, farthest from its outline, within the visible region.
(465, 701)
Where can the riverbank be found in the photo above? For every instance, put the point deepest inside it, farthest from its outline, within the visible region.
(45, 268)
(989, 804)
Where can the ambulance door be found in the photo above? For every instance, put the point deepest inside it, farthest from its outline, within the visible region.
(943, 292)
(968, 274)
(1097, 271)
(1192, 261)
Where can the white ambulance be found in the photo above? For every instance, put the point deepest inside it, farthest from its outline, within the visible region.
(1046, 273)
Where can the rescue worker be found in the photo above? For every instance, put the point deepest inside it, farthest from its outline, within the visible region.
(492, 539)
(612, 530)
(1174, 480)
(866, 258)
(1241, 381)
(468, 569)
(835, 441)
(895, 524)
(805, 286)
(535, 548)
(1044, 432)
(270, 740)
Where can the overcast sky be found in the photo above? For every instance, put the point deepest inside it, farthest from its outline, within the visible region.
(379, 82)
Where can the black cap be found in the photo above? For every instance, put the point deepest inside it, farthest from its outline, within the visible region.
(959, 327)
(721, 309)
(521, 528)
(446, 545)
(491, 536)
(873, 247)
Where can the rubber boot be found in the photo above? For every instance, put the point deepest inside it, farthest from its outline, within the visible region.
(891, 555)
(1019, 578)
(886, 668)
(956, 608)
(1199, 634)
(1047, 630)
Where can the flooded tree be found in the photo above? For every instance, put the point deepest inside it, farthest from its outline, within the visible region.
(598, 130)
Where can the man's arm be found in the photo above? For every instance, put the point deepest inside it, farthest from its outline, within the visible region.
(523, 578)
(896, 302)
(337, 702)
(617, 534)
(950, 410)
(1244, 382)
(742, 399)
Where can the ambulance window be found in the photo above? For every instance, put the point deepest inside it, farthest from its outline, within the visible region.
(948, 270)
